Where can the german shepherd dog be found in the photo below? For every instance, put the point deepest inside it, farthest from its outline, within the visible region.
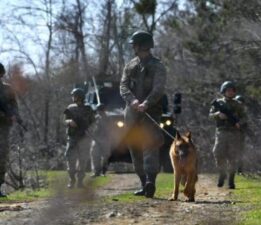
(183, 156)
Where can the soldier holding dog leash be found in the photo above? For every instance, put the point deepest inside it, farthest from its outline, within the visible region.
(142, 86)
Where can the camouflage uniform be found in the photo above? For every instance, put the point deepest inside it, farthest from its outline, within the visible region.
(77, 148)
(101, 146)
(227, 139)
(8, 108)
(144, 80)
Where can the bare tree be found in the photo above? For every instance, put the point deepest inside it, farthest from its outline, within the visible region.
(72, 21)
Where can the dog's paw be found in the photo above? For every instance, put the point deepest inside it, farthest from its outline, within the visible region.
(172, 199)
(190, 200)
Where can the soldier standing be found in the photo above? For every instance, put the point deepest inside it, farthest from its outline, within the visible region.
(229, 116)
(101, 146)
(8, 115)
(78, 118)
(142, 86)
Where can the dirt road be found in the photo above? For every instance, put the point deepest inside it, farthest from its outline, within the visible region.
(213, 206)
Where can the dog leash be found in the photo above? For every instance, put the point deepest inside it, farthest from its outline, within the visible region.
(157, 124)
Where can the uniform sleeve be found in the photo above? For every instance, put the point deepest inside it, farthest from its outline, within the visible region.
(67, 114)
(212, 113)
(125, 91)
(158, 88)
(12, 103)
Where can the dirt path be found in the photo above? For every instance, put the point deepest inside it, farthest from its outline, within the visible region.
(212, 207)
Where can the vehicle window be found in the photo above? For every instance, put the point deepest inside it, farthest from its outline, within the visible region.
(111, 97)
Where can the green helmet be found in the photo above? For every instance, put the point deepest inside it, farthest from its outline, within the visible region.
(142, 38)
(226, 85)
(240, 98)
(78, 92)
(2, 69)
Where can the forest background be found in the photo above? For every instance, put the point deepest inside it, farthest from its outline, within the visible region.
(48, 46)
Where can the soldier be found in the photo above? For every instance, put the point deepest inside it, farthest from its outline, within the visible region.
(78, 118)
(8, 115)
(229, 116)
(101, 146)
(142, 87)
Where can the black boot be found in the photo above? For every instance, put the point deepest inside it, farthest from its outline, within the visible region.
(231, 181)
(141, 192)
(71, 181)
(150, 187)
(104, 170)
(2, 195)
(221, 179)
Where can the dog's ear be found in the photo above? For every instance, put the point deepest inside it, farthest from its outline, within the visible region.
(188, 135)
(177, 135)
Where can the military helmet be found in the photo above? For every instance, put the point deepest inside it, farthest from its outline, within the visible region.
(79, 92)
(240, 98)
(142, 38)
(226, 85)
(2, 69)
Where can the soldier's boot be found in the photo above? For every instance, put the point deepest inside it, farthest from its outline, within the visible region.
(2, 195)
(141, 192)
(72, 180)
(104, 170)
(221, 179)
(96, 173)
(150, 187)
(231, 181)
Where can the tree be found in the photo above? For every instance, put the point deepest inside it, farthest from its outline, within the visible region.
(72, 21)
(147, 9)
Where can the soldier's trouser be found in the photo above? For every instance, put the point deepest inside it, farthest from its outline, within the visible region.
(145, 161)
(145, 153)
(4, 152)
(77, 155)
(100, 153)
(241, 150)
(226, 150)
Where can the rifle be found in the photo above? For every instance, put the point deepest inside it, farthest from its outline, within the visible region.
(82, 127)
(4, 107)
(223, 109)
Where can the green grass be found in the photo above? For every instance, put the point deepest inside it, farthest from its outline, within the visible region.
(164, 188)
(56, 183)
(248, 194)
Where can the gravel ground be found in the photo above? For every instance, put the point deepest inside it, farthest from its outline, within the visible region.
(213, 206)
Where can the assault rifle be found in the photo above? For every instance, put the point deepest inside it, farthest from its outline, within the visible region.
(4, 107)
(81, 126)
(223, 109)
